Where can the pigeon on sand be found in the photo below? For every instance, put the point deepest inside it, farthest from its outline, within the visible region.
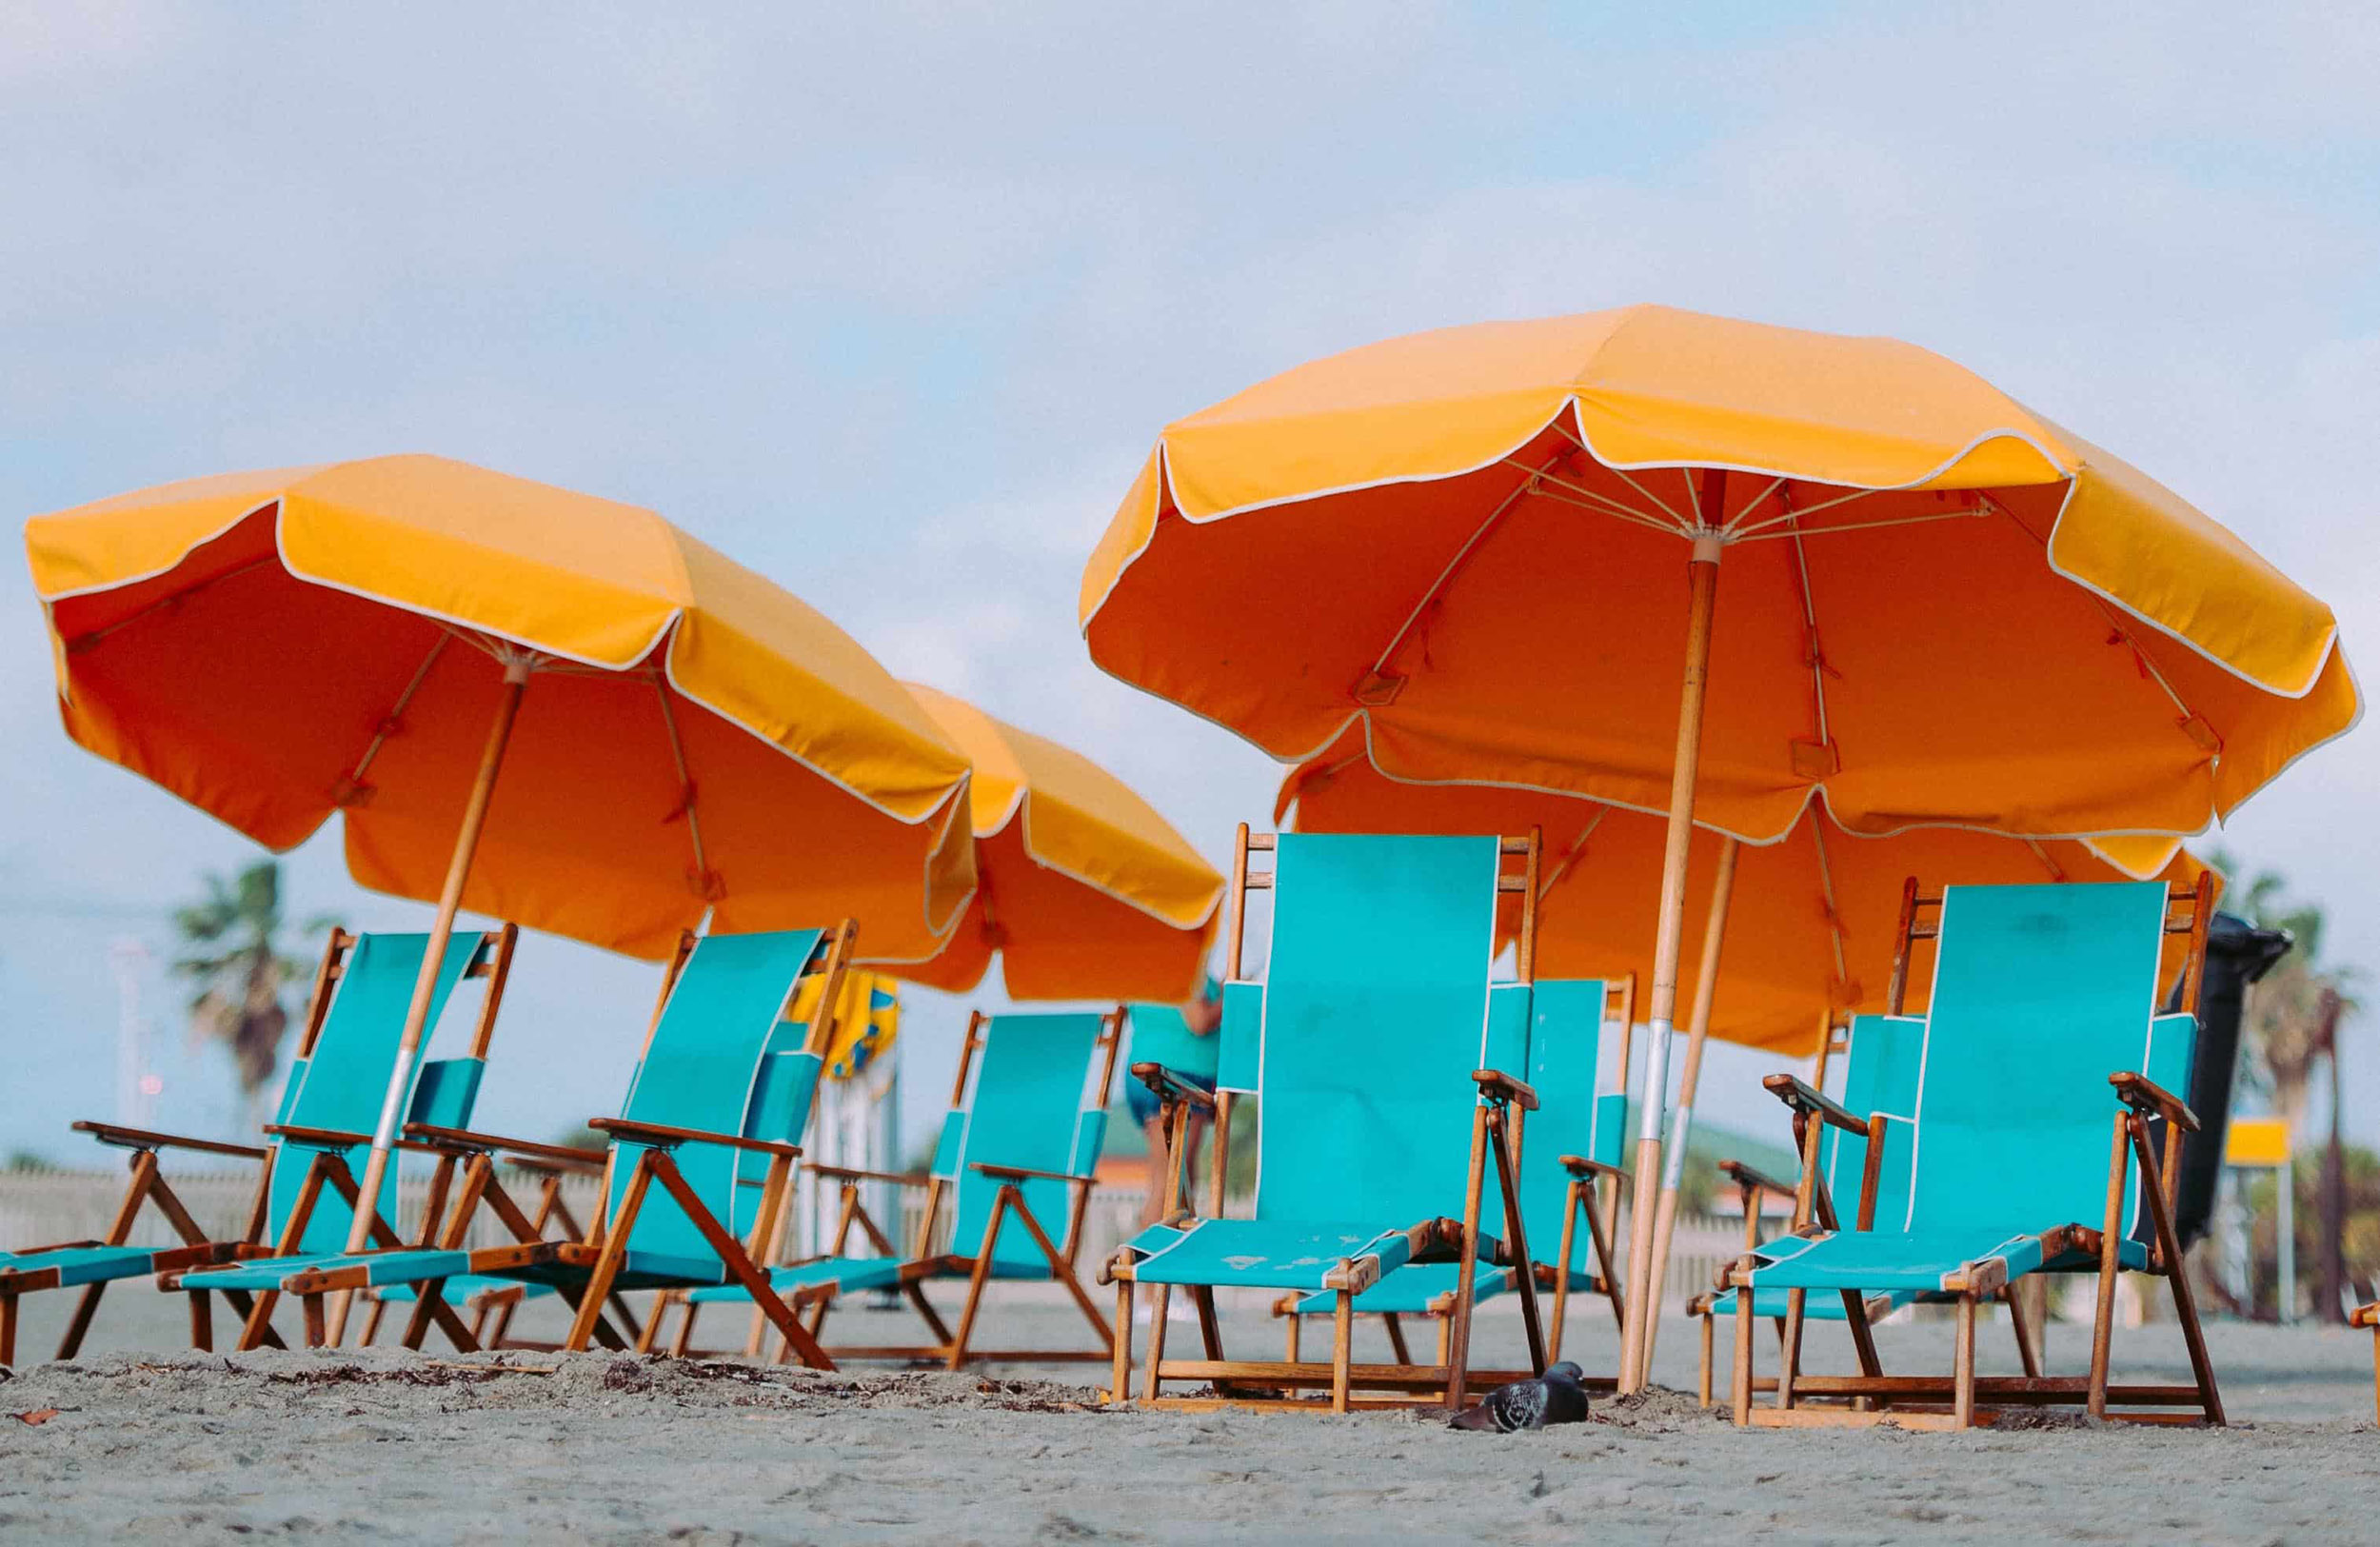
(1554, 1397)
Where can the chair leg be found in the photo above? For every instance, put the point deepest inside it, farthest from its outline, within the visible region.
(1295, 1324)
(649, 1334)
(1797, 1307)
(8, 1331)
(1210, 1329)
(83, 1310)
(1119, 1376)
(1963, 1375)
(982, 1274)
(494, 1338)
(1156, 1344)
(2375, 1370)
(372, 1320)
(2103, 1322)
(1342, 1348)
(2020, 1325)
(202, 1321)
(615, 1252)
(683, 1344)
(1743, 1358)
(1709, 1338)
(1397, 1338)
(315, 1330)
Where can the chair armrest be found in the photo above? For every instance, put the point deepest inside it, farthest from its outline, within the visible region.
(1019, 1173)
(1746, 1177)
(123, 1137)
(1801, 1097)
(525, 1151)
(667, 1136)
(320, 1138)
(1163, 1082)
(2144, 1095)
(1579, 1165)
(1497, 1087)
(846, 1173)
(2364, 1316)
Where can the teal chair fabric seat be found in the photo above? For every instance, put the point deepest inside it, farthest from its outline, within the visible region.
(1265, 1254)
(1913, 1262)
(1775, 1302)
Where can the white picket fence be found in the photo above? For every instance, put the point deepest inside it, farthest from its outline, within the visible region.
(44, 1207)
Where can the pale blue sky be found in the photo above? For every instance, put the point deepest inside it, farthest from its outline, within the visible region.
(889, 301)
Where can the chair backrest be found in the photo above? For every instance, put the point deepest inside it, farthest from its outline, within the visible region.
(1573, 1116)
(341, 1081)
(2039, 993)
(716, 1063)
(1033, 1106)
(1880, 1070)
(1373, 1013)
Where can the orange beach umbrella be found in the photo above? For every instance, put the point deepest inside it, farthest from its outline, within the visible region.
(676, 736)
(1082, 889)
(1498, 549)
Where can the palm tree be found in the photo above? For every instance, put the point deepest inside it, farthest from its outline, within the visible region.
(235, 956)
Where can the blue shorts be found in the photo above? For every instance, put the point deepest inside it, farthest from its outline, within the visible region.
(1143, 1102)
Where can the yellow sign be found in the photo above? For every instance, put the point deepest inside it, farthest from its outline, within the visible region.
(2258, 1142)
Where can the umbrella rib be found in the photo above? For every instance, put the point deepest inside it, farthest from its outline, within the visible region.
(1797, 532)
(389, 721)
(1397, 639)
(1569, 855)
(1610, 508)
(1807, 511)
(1600, 500)
(84, 642)
(1826, 890)
(1752, 504)
(685, 783)
(1810, 617)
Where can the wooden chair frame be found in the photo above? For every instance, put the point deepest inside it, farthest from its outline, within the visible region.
(1935, 1402)
(1271, 1384)
(951, 1349)
(492, 962)
(1593, 1199)
(602, 1250)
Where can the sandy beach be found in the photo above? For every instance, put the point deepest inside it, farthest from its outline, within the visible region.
(379, 1445)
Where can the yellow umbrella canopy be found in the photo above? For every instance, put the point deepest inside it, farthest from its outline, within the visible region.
(1082, 889)
(1810, 933)
(362, 637)
(277, 646)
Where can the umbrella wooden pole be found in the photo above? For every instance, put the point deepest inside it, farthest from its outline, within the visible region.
(1702, 578)
(424, 985)
(1698, 1032)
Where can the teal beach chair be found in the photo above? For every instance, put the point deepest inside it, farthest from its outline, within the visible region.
(716, 1080)
(1368, 1043)
(2042, 1028)
(1882, 1059)
(305, 1192)
(1570, 1152)
(1028, 1118)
